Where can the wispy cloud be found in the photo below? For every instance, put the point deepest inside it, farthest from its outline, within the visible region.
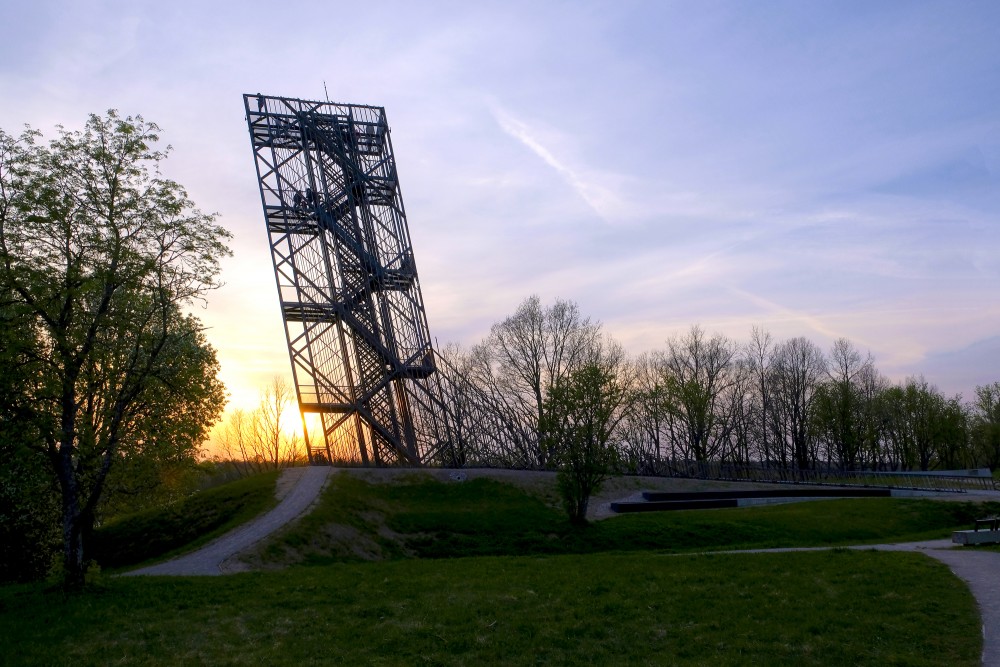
(812, 322)
(604, 202)
(662, 164)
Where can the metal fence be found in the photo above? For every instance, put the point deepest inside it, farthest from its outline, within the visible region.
(834, 476)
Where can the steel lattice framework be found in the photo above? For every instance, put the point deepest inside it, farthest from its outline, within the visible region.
(354, 317)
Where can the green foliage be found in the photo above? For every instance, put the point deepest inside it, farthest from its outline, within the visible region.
(985, 425)
(99, 256)
(841, 608)
(29, 515)
(184, 524)
(580, 426)
(844, 416)
(925, 429)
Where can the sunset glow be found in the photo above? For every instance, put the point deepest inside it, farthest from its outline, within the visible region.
(816, 170)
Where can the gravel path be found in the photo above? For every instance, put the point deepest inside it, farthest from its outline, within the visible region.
(217, 557)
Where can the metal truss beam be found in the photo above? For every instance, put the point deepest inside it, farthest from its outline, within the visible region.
(347, 281)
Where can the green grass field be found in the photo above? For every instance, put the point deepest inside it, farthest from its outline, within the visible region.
(423, 572)
(819, 608)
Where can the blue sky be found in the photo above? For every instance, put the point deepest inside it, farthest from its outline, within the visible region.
(814, 169)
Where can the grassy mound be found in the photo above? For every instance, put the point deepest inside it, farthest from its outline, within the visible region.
(183, 525)
(419, 517)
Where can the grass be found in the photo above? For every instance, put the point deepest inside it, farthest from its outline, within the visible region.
(183, 525)
(422, 518)
(815, 608)
(480, 572)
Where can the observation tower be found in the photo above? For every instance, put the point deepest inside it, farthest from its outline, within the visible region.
(347, 281)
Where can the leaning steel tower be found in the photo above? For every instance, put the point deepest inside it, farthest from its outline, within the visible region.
(354, 317)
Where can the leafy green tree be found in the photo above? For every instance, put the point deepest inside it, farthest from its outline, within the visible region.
(158, 464)
(583, 412)
(985, 424)
(844, 415)
(28, 515)
(923, 429)
(99, 254)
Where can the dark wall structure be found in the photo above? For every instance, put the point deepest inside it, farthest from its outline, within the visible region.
(347, 281)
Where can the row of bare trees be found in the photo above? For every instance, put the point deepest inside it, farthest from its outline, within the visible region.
(262, 439)
(708, 398)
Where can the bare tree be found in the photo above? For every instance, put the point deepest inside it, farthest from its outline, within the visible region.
(481, 430)
(702, 379)
(525, 355)
(703, 398)
(259, 438)
(797, 369)
(758, 354)
(459, 394)
(646, 442)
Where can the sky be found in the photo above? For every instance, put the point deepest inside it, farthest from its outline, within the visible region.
(812, 169)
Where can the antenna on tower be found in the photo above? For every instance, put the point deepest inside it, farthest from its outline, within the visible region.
(325, 92)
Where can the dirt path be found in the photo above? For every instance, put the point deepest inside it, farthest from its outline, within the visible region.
(297, 490)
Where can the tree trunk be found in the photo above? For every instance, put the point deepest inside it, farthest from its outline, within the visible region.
(74, 566)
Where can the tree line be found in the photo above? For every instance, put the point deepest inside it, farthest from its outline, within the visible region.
(109, 385)
(785, 404)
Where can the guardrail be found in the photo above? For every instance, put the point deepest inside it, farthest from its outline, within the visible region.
(895, 480)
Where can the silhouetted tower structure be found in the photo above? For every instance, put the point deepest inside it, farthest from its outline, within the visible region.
(354, 317)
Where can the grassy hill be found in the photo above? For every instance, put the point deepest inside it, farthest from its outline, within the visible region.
(404, 569)
(183, 525)
(415, 515)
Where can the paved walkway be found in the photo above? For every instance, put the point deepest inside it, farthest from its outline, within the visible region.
(211, 558)
(981, 571)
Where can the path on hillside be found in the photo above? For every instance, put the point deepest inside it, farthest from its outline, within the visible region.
(211, 558)
(979, 569)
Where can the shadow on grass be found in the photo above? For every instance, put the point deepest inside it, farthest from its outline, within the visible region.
(184, 525)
